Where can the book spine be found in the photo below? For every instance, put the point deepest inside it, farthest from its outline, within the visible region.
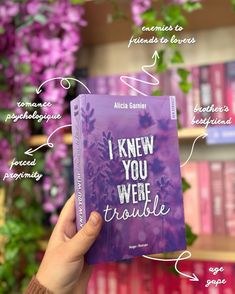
(205, 197)
(218, 197)
(229, 176)
(78, 162)
(190, 101)
(205, 88)
(191, 197)
(101, 85)
(196, 93)
(180, 97)
(230, 89)
(101, 277)
(161, 279)
(218, 88)
(91, 84)
(143, 84)
(123, 278)
(174, 281)
(200, 271)
(112, 280)
(134, 276)
(212, 289)
(228, 273)
(91, 288)
(147, 276)
(113, 85)
(186, 286)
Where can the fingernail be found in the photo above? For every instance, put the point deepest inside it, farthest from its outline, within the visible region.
(94, 219)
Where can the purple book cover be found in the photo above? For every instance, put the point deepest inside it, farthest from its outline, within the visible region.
(126, 167)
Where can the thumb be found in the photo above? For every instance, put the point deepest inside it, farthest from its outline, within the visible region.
(84, 238)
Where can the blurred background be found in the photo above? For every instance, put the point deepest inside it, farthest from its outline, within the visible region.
(88, 40)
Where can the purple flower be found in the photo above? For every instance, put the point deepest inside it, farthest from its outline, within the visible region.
(137, 8)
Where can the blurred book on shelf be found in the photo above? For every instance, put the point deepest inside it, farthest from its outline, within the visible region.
(211, 85)
(141, 276)
(210, 202)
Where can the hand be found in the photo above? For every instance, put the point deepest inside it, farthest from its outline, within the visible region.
(62, 269)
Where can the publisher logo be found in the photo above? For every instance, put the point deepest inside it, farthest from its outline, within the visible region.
(173, 107)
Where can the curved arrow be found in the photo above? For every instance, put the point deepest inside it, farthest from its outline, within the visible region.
(193, 278)
(203, 136)
(48, 143)
(62, 80)
(124, 79)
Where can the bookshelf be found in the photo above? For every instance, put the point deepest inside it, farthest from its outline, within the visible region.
(100, 29)
(183, 134)
(211, 248)
(206, 248)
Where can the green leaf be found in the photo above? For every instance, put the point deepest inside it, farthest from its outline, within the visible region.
(185, 185)
(74, 2)
(25, 68)
(190, 236)
(191, 6)
(41, 18)
(183, 73)
(157, 92)
(185, 86)
(11, 252)
(179, 125)
(177, 57)
(5, 62)
(20, 203)
(161, 64)
(39, 167)
(27, 23)
(173, 15)
(27, 185)
(2, 30)
(3, 114)
(28, 89)
(149, 16)
(233, 4)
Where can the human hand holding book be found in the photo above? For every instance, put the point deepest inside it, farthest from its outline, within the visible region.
(63, 269)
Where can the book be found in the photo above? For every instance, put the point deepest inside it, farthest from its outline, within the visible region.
(186, 286)
(195, 94)
(146, 276)
(200, 271)
(112, 278)
(161, 279)
(217, 187)
(91, 287)
(230, 89)
(124, 285)
(126, 167)
(218, 89)
(205, 197)
(228, 275)
(135, 275)
(210, 276)
(205, 88)
(101, 278)
(191, 197)
(190, 100)
(229, 176)
(174, 279)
